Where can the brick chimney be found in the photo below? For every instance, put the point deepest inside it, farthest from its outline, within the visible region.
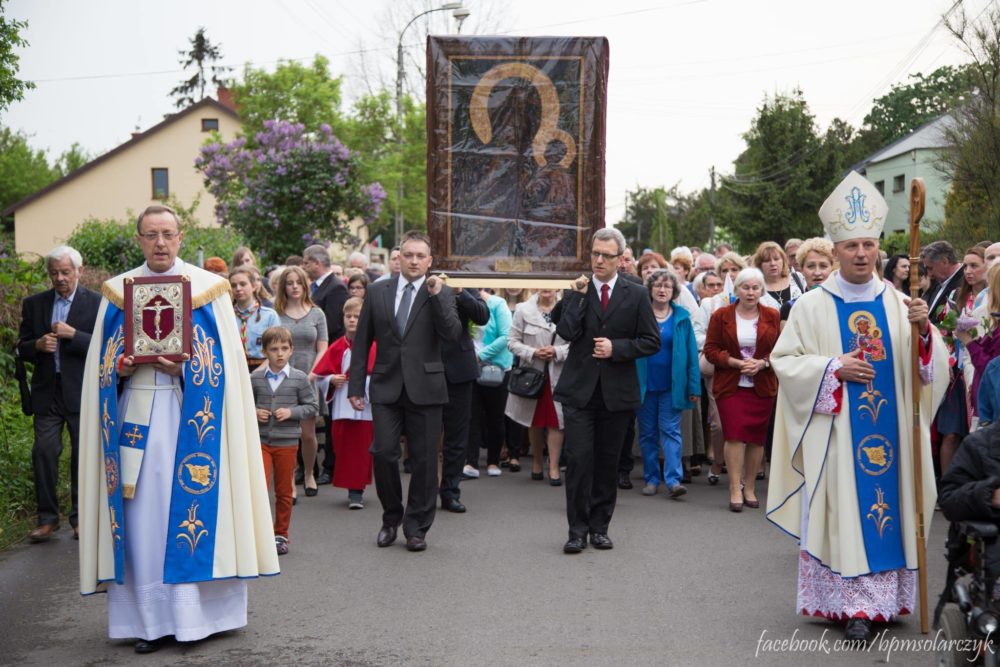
(225, 98)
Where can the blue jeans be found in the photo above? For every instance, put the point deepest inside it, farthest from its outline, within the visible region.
(660, 426)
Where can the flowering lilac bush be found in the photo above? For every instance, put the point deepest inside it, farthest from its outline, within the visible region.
(288, 188)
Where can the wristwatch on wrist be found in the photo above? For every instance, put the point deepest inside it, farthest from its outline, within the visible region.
(767, 364)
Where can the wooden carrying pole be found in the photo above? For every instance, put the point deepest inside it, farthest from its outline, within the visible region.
(918, 195)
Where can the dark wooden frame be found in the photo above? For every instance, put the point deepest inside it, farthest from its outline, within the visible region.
(589, 165)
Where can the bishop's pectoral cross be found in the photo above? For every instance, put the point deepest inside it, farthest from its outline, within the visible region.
(158, 308)
(134, 435)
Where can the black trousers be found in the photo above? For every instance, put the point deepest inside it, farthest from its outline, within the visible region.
(421, 424)
(456, 438)
(45, 458)
(486, 422)
(593, 441)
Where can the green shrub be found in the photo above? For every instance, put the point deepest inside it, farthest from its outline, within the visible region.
(110, 244)
(107, 244)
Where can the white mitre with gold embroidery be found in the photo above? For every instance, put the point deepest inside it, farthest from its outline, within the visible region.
(854, 210)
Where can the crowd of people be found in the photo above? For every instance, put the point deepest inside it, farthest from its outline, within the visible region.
(700, 362)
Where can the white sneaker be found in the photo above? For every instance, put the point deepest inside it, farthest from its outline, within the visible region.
(470, 472)
(493, 471)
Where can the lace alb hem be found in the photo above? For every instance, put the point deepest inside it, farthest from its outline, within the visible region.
(877, 597)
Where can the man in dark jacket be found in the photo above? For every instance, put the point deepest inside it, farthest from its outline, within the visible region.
(55, 333)
(609, 323)
(460, 370)
(970, 489)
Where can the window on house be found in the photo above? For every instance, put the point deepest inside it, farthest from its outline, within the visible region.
(161, 183)
(897, 183)
(880, 186)
(209, 124)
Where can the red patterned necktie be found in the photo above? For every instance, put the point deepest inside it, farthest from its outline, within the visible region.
(604, 296)
(244, 317)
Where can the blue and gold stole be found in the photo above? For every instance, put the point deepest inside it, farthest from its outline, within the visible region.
(194, 498)
(874, 432)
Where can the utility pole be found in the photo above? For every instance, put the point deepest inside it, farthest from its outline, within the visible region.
(711, 211)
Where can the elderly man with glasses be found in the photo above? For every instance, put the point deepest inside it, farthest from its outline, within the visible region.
(609, 323)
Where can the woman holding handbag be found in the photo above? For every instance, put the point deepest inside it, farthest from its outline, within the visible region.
(533, 341)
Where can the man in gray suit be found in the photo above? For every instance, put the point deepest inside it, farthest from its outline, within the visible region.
(408, 318)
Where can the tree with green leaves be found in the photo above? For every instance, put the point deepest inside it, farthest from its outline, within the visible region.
(295, 93)
(972, 209)
(289, 189)
(310, 96)
(23, 170)
(202, 56)
(907, 106)
(71, 160)
(11, 88)
(786, 171)
(663, 218)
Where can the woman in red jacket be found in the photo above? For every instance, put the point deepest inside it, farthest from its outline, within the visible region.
(738, 343)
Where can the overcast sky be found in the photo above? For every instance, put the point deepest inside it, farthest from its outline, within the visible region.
(685, 81)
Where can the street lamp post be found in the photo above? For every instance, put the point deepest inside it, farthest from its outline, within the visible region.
(460, 13)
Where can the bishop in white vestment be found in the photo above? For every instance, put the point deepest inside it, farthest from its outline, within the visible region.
(842, 479)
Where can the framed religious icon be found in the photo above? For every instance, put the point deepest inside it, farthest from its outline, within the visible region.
(158, 318)
(515, 154)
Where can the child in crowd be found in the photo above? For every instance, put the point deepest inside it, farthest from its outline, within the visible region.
(252, 317)
(283, 397)
(352, 430)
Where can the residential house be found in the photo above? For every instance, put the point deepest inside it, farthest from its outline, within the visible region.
(893, 168)
(142, 171)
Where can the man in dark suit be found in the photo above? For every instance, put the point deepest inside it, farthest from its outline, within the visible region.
(609, 323)
(409, 318)
(461, 368)
(329, 294)
(55, 333)
(327, 291)
(945, 270)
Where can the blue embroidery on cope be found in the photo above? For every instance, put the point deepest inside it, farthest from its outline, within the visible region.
(874, 432)
(194, 500)
(112, 346)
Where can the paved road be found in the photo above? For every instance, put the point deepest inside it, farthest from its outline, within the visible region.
(688, 583)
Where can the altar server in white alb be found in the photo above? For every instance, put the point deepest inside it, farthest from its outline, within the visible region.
(174, 512)
(842, 467)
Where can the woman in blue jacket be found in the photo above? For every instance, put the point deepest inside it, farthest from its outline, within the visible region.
(488, 402)
(672, 384)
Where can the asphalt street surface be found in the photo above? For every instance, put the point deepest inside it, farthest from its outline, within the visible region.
(688, 583)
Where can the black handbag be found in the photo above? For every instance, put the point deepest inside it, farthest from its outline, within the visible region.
(526, 382)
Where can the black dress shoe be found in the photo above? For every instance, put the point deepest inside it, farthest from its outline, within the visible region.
(574, 545)
(601, 541)
(311, 492)
(414, 543)
(537, 476)
(386, 536)
(624, 480)
(452, 505)
(148, 646)
(858, 630)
